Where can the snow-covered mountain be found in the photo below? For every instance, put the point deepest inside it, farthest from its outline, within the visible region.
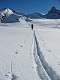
(35, 15)
(53, 14)
(9, 16)
(54, 11)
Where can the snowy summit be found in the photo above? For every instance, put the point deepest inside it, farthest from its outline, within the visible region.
(10, 16)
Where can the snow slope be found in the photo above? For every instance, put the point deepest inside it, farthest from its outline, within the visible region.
(8, 16)
(16, 52)
(27, 54)
(47, 37)
(6, 11)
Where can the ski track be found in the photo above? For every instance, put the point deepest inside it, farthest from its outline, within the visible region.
(45, 72)
(16, 57)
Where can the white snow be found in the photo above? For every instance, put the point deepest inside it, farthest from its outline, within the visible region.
(27, 54)
(6, 11)
(16, 48)
(48, 41)
(9, 16)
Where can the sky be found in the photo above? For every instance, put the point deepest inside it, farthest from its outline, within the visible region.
(30, 6)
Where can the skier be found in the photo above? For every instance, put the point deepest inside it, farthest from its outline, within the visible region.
(32, 26)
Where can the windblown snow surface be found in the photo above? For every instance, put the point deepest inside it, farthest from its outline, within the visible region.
(27, 54)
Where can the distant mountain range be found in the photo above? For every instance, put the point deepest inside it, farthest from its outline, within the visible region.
(9, 16)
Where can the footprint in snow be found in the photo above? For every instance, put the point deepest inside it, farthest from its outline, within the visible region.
(43, 40)
(24, 42)
(32, 67)
(16, 52)
(49, 50)
(58, 63)
(14, 77)
(29, 50)
(21, 46)
(30, 54)
(44, 45)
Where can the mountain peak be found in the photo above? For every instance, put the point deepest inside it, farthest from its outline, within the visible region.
(6, 11)
(8, 15)
(9, 11)
(53, 8)
(54, 11)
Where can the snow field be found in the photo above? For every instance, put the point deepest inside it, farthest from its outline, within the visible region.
(48, 41)
(47, 34)
(40, 68)
(27, 54)
(16, 57)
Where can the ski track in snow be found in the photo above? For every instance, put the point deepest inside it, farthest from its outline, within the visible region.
(44, 70)
(41, 71)
(16, 57)
(21, 57)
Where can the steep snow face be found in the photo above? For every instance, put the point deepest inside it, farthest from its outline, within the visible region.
(7, 16)
(6, 11)
(11, 18)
